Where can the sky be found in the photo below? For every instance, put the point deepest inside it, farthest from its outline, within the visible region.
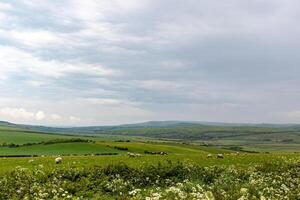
(103, 62)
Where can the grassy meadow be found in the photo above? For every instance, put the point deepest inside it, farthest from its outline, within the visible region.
(21, 136)
(100, 168)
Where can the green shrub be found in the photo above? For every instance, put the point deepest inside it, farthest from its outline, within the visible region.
(167, 180)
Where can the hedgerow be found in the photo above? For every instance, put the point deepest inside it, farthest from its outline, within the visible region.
(168, 180)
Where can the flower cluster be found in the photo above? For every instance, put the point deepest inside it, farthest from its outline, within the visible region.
(272, 180)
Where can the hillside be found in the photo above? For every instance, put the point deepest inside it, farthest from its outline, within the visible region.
(254, 137)
(15, 141)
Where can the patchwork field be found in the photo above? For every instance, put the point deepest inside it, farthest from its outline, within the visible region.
(22, 136)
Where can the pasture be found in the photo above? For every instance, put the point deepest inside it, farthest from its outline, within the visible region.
(100, 168)
(173, 176)
(21, 136)
(99, 151)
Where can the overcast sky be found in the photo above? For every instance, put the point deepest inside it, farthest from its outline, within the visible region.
(99, 62)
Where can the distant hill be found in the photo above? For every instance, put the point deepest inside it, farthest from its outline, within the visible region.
(149, 124)
(183, 130)
(253, 137)
(4, 123)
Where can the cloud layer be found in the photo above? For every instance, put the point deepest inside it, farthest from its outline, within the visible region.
(74, 62)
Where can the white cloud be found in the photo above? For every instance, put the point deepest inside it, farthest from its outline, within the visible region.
(174, 64)
(161, 85)
(2, 17)
(100, 10)
(36, 38)
(15, 60)
(40, 115)
(74, 119)
(35, 83)
(5, 6)
(104, 101)
(21, 114)
(294, 116)
(17, 113)
(56, 117)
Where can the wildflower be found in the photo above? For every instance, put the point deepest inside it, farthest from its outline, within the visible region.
(244, 191)
(134, 192)
(209, 195)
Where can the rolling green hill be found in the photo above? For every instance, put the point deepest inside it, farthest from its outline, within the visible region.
(22, 136)
(17, 141)
(59, 149)
(250, 137)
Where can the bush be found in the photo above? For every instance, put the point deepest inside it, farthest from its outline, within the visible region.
(167, 180)
(121, 148)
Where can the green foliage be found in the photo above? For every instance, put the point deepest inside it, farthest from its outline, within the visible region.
(167, 180)
(155, 152)
(121, 148)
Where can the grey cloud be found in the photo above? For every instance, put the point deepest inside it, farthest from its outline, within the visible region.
(176, 59)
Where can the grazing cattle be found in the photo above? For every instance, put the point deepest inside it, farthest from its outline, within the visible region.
(133, 155)
(220, 156)
(209, 156)
(58, 160)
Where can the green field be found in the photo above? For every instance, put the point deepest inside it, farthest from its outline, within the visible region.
(21, 136)
(98, 167)
(195, 149)
(176, 151)
(58, 149)
(199, 158)
(186, 173)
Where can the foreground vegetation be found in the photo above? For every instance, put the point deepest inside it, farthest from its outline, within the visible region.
(277, 179)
